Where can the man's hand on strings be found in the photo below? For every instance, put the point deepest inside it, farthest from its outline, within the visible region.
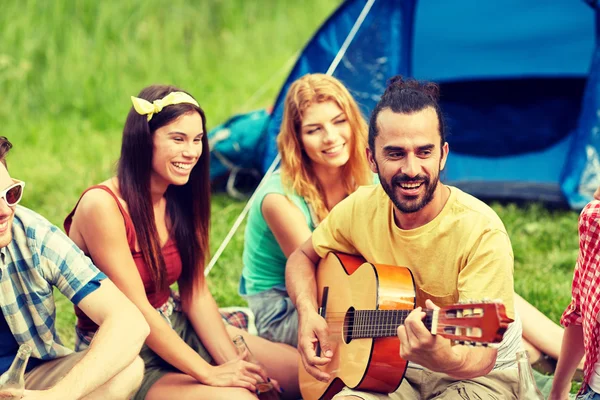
(418, 345)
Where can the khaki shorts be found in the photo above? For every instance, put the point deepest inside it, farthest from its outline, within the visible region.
(156, 367)
(424, 384)
(49, 373)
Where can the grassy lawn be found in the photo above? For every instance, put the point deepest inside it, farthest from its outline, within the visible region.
(67, 69)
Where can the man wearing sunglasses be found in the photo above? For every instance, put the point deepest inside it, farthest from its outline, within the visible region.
(35, 256)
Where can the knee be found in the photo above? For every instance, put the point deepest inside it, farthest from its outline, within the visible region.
(241, 394)
(126, 382)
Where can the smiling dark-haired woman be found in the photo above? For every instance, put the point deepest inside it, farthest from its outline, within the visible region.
(147, 228)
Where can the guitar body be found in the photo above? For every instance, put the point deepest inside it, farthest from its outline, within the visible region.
(366, 363)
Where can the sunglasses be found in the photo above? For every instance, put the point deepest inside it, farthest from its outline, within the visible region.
(12, 194)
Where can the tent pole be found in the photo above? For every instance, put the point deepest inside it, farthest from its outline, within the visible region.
(332, 67)
(357, 24)
(239, 219)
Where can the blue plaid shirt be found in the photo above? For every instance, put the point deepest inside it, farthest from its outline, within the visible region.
(38, 258)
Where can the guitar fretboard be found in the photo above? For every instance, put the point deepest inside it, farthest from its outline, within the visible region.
(380, 323)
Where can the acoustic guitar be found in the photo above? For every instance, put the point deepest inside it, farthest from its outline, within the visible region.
(363, 305)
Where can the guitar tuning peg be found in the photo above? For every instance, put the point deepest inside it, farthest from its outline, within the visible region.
(486, 300)
(484, 344)
(497, 301)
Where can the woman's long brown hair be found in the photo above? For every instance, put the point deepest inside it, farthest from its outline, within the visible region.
(188, 206)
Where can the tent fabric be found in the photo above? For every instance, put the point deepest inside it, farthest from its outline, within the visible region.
(519, 86)
(582, 168)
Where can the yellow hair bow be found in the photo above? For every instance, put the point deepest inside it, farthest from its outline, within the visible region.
(144, 107)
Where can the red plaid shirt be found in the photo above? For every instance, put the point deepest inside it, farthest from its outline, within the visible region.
(585, 303)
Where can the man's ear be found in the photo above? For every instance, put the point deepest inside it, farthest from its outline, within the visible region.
(371, 160)
(445, 151)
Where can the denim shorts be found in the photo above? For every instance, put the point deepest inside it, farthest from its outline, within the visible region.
(589, 394)
(275, 316)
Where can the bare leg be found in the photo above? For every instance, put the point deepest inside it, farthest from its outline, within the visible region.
(540, 333)
(539, 330)
(534, 353)
(280, 360)
(184, 387)
(121, 386)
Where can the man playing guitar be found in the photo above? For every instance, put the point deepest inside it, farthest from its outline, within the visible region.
(456, 247)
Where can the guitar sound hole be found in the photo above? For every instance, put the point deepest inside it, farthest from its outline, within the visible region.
(348, 327)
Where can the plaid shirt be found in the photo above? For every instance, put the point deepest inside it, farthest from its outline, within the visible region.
(585, 302)
(39, 257)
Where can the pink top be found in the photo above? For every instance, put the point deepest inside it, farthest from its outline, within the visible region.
(169, 252)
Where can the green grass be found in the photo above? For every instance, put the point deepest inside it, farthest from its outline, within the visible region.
(67, 69)
(545, 244)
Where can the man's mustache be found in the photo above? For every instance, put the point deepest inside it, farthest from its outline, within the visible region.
(403, 178)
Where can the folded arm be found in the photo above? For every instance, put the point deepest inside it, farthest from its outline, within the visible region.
(118, 341)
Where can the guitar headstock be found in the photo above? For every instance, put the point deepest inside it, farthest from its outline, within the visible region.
(473, 323)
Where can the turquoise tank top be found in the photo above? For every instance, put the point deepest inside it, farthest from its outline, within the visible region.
(264, 262)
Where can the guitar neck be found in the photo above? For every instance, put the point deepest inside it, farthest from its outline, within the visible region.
(383, 323)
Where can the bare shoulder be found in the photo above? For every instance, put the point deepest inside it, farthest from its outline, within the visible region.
(98, 203)
(276, 207)
(276, 202)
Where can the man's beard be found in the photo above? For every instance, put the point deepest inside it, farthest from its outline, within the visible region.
(415, 203)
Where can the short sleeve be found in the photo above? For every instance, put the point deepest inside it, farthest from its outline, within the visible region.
(66, 266)
(587, 260)
(572, 314)
(489, 271)
(334, 232)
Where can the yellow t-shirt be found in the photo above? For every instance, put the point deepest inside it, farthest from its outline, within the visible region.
(462, 254)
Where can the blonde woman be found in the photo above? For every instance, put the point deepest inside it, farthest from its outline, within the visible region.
(322, 145)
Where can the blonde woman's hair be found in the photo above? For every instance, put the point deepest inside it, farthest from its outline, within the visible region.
(296, 166)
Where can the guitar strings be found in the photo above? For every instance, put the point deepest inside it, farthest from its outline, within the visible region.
(368, 323)
(392, 314)
(359, 325)
(338, 332)
(383, 324)
(379, 311)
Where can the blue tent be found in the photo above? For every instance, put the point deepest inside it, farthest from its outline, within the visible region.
(519, 85)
